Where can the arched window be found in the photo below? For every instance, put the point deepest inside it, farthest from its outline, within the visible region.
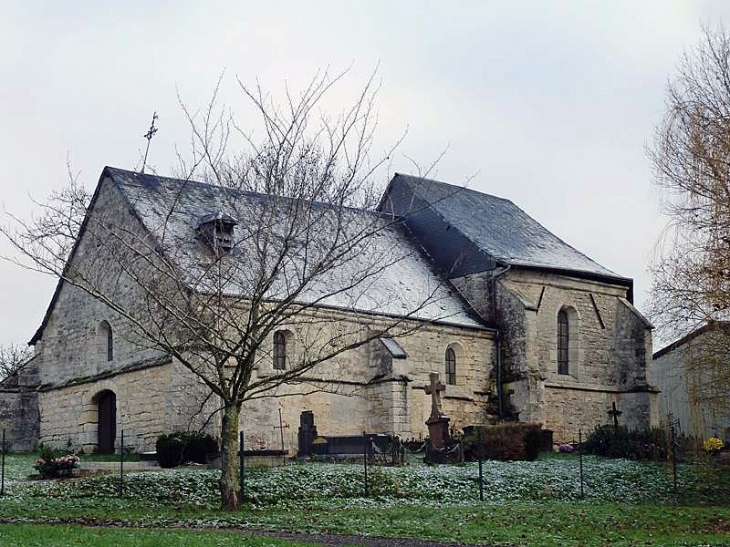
(279, 350)
(451, 366)
(563, 343)
(105, 339)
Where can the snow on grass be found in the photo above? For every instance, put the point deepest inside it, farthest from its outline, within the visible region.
(342, 485)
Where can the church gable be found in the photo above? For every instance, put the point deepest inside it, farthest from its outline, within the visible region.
(80, 336)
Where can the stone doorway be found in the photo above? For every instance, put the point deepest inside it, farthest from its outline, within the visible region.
(107, 404)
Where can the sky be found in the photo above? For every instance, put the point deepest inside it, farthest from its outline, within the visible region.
(549, 104)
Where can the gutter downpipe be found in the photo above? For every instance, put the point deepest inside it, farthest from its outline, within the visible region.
(493, 291)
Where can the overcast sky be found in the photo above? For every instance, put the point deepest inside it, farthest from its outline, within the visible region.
(549, 104)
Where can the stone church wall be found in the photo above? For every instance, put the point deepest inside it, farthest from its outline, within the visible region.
(73, 345)
(609, 350)
(357, 392)
(69, 415)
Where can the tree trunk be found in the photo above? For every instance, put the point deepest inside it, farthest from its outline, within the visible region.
(229, 483)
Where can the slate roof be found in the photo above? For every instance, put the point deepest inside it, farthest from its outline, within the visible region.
(171, 209)
(491, 230)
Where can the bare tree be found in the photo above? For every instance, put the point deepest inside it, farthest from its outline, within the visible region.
(293, 245)
(12, 358)
(691, 158)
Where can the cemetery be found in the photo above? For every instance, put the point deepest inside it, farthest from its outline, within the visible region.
(376, 486)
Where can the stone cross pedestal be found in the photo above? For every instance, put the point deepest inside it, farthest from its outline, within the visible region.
(438, 422)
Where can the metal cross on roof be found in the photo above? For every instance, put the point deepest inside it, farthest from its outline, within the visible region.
(150, 133)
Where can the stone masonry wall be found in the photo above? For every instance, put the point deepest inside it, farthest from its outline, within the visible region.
(72, 346)
(19, 415)
(20, 418)
(69, 415)
(353, 393)
(610, 345)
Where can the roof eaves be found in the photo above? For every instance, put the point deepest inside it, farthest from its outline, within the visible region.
(580, 274)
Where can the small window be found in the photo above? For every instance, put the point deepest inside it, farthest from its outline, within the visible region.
(105, 338)
(279, 350)
(109, 345)
(451, 367)
(563, 343)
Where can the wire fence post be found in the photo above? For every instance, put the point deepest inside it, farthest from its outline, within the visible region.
(121, 468)
(481, 471)
(2, 473)
(365, 459)
(242, 465)
(673, 450)
(580, 459)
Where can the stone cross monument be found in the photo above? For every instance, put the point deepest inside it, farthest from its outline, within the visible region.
(438, 422)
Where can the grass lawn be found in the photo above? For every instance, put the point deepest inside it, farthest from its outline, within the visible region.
(526, 503)
(64, 535)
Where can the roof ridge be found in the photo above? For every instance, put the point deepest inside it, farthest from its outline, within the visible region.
(235, 192)
(450, 185)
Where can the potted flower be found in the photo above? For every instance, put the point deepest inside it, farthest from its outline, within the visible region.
(713, 446)
(51, 465)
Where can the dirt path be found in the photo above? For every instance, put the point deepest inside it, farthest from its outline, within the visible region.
(330, 540)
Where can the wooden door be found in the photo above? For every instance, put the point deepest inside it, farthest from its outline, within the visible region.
(107, 422)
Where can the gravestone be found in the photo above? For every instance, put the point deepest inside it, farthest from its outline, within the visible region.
(438, 422)
(307, 433)
(614, 413)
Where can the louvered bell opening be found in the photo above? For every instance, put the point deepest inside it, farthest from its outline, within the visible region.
(216, 231)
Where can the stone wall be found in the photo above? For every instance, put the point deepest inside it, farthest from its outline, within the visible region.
(19, 418)
(610, 346)
(19, 415)
(361, 391)
(69, 415)
(73, 345)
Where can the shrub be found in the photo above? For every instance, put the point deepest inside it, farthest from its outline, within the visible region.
(170, 450)
(51, 464)
(198, 446)
(177, 448)
(505, 441)
(621, 442)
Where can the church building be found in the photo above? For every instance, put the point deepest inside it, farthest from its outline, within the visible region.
(519, 325)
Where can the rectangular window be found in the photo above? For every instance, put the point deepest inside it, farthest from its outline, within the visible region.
(563, 343)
